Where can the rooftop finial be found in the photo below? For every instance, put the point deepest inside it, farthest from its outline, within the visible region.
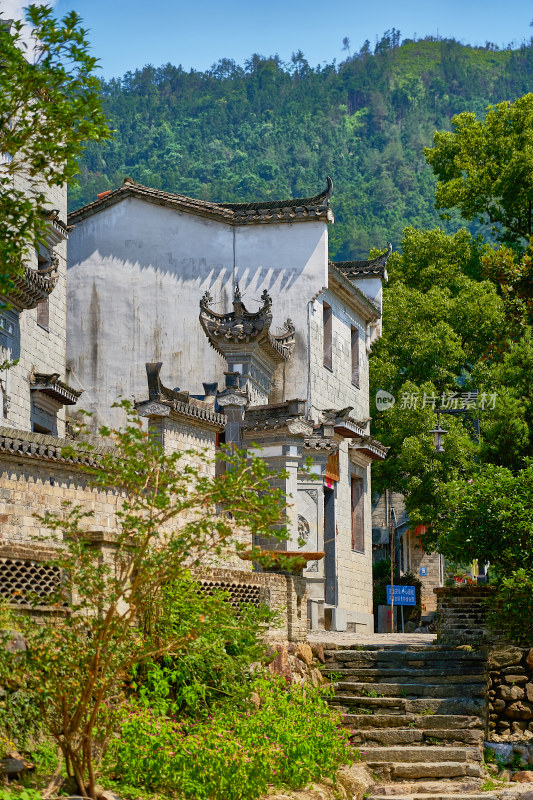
(265, 297)
(206, 298)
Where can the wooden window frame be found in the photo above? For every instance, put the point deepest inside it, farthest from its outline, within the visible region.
(327, 333)
(357, 496)
(355, 351)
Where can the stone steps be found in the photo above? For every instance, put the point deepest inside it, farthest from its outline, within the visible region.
(429, 737)
(408, 754)
(402, 771)
(460, 675)
(455, 787)
(467, 706)
(417, 716)
(434, 796)
(411, 689)
(421, 721)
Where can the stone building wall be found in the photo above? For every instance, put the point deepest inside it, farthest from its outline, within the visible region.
(38, 348)
(417, 560)
(333, 388)
(34, 482)
(280, 592)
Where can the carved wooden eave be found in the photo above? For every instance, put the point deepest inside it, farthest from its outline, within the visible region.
(370, 447)
(342, 423)
(322, 440)
(50, 386)
(299, 209)
(241, 330)
(352, 295)
(163, 402)
(56, 230)
(371, 268)
(32, 286)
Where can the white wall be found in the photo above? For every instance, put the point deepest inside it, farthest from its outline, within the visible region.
(136, 274)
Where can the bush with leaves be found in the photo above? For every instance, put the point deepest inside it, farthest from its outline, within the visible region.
(75, 667)
(292, 739)
(214, 667)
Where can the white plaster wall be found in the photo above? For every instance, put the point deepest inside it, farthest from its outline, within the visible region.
(136, 274)
(44, 350)
(354, 569)
(334, 388)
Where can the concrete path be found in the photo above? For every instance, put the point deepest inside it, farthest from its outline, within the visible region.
(405, 639)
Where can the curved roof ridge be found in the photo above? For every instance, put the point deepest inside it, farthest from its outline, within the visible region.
(316, 200)
(296, 209)
(367, 266)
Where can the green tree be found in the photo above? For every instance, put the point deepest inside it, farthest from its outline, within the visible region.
(439, 323)
(172, 518)
(485, 168)
(49, 107)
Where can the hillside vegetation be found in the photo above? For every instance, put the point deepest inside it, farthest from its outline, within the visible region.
(275, 130)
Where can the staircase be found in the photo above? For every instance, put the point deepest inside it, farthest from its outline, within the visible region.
(418, 717)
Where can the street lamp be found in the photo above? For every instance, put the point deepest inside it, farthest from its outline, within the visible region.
(438, 433)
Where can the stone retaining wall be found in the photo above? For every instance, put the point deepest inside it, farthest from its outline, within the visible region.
(462, 615)
(510, 694)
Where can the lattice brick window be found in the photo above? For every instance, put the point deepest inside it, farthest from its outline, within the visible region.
(239, 593)
(21, 581)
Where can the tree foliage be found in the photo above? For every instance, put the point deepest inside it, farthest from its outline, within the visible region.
(485, 168)
(49, 107)
(270, 130)
(173, 516)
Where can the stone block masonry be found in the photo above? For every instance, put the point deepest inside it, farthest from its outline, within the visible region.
(462, 616)
(283, 593)
(510, 694)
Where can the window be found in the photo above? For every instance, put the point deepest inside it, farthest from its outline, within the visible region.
(358, 518)
(43, 308)
(355, 357)
(327, 322)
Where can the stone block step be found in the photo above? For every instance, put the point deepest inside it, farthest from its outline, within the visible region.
(442, 690)
(371, 737)
(456, 787)
(435, 796)
(467, 674)
(427, 754)
(438, 659)
(426, 706)
(434, 722)
(412, 770)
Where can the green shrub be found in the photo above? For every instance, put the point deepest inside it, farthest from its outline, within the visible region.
(213, 665)
(511, 607)
(292, 739)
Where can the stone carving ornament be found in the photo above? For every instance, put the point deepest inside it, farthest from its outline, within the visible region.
(303, 530)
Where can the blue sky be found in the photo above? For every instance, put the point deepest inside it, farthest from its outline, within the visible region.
(127, 34)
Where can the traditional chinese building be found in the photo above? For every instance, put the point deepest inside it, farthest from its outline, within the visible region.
(244, 309)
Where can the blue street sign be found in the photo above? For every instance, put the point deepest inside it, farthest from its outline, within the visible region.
(423, 572)
(403, 596)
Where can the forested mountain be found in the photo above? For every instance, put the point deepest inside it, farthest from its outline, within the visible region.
(275, 130)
